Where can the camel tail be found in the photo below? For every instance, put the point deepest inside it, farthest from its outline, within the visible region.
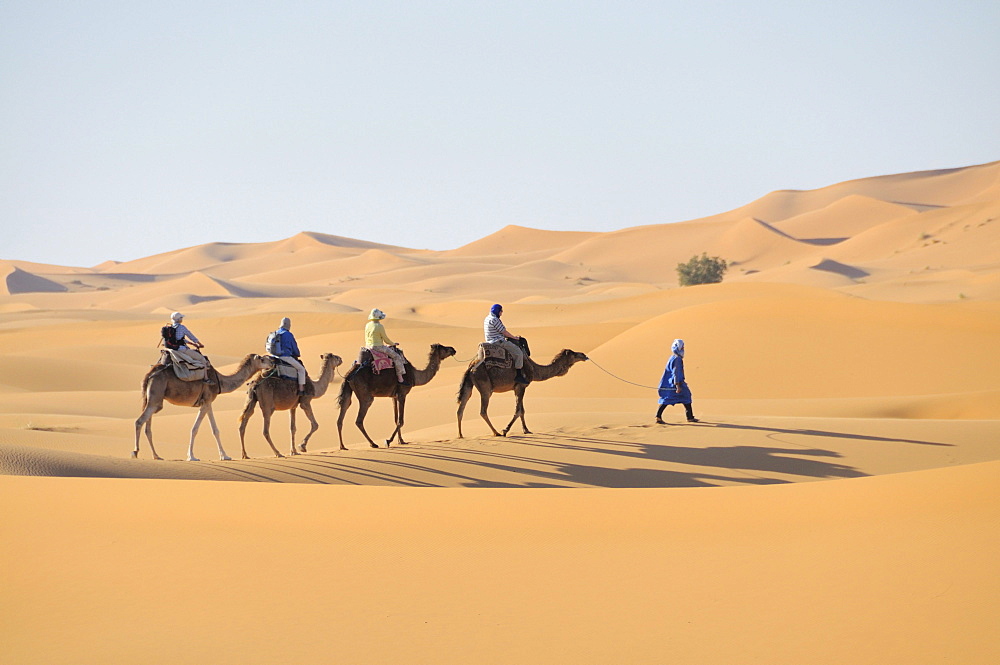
(345, 394)
(465, 388)
(145, 390)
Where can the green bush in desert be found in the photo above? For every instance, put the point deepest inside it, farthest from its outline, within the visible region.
(702, 269)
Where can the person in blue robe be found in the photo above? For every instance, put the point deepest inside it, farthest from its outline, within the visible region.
(673, 386)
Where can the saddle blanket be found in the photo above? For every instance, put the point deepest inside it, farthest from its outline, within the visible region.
(184, 370)
(380, 361)
(283, 370)
(494, 354)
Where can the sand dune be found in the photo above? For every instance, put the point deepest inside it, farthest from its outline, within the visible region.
(835, 504)
(868, 570)
(842, 219)
(921, 191)
(755, 245)
(16, 280)
(514, 240)
(332, 272)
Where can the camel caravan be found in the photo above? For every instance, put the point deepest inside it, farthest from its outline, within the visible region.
(278, 380)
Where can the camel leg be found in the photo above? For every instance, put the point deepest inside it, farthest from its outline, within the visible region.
(244, 421)
(291, 427)
(518, 411)
(398, 408)
(395, 418)
(363, 405)
(313, 424)
(215, 430)
(345, 404)
(484, 404)
(149, 437)
(267, 413)
(461, 411)
(194, 433)
(146, 419)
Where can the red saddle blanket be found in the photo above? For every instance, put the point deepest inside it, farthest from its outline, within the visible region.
(380, 361)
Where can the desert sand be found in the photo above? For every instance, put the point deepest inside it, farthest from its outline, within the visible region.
(836, 503)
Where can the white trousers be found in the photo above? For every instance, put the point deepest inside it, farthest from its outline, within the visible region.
(300, 370)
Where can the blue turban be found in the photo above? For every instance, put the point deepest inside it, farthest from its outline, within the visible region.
(495, 310)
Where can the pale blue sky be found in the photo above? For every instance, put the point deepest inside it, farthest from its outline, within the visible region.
(131, 128)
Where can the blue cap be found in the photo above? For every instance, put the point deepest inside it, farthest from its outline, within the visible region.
(495, 310)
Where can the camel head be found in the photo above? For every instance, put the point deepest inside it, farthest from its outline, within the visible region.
(261, 362)
(440, 351)
(334, 360)
(571, 357)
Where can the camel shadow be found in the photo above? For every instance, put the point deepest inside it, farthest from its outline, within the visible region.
(824, 434)
(443, 464)
(554, 474)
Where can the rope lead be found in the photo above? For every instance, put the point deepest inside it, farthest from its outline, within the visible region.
(620, 378)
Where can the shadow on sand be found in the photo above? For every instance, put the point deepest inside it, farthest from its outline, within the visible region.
(538, 460)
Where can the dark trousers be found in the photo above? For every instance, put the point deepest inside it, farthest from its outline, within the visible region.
(687, 407)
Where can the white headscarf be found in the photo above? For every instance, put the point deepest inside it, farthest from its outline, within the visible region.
(678, 347)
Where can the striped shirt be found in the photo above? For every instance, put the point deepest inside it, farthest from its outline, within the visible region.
(494, 329)
(180, 332)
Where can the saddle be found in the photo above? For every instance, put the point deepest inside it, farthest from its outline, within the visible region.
(282, 370)
(183, 370)
(495, 355)
(380, 361)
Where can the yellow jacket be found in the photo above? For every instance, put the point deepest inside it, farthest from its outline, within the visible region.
(375, 335)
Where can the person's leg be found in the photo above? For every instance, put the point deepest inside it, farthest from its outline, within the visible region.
(192, 356)
(690, 413)
(300, 371)
(517, 355)
(659, 414)
(397, 361)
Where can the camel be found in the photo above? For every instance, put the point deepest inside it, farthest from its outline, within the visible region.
(367, 386)
(277, 394)
(489, 379)
(160, 383)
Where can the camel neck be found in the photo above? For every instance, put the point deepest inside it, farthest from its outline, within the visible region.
(323, 382)
(558, 367)
(423, 376)
(230, 382)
